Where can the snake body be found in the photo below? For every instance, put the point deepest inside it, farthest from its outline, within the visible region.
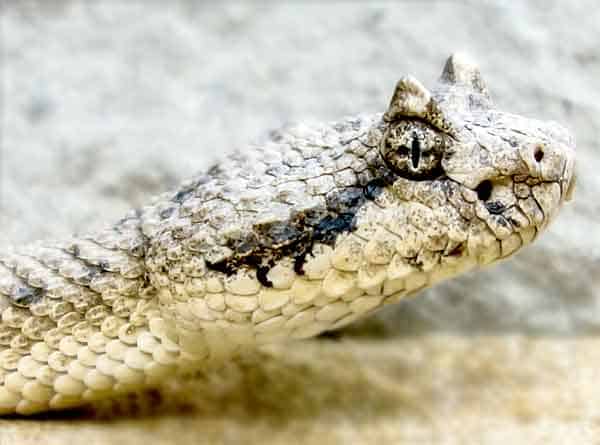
(306, 232)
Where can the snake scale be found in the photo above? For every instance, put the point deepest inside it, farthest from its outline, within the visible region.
(313, 228)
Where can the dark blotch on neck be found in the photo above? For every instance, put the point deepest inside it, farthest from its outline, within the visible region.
(268, 243)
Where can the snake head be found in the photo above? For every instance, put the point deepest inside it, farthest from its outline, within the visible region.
(487, 179)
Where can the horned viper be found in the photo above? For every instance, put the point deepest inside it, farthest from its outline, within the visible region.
(315, 227)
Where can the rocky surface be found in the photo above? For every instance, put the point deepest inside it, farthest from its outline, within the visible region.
(107, 103)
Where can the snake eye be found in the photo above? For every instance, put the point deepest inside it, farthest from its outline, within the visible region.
(413, 150)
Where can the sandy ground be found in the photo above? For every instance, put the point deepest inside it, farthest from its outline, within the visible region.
(436, 389)
(107, 103)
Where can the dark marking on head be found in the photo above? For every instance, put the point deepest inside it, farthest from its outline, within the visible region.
(229, 266)
(538, 154)
(495, 207)
(221, 266)
(484, 190)
(344, 201)
(373, 189)
(330, 227)
(261, 276)
(295, 237)
(299, 261)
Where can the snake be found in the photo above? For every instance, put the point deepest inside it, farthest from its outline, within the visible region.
(303, 232)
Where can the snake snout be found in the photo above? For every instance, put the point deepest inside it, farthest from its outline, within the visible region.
(555, 158)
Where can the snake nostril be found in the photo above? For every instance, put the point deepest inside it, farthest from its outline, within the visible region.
(538, 154)
(484, 190)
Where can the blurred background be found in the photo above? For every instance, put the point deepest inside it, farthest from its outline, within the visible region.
(107, 103)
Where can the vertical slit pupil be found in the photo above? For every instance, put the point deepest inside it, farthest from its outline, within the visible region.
(415, 152)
